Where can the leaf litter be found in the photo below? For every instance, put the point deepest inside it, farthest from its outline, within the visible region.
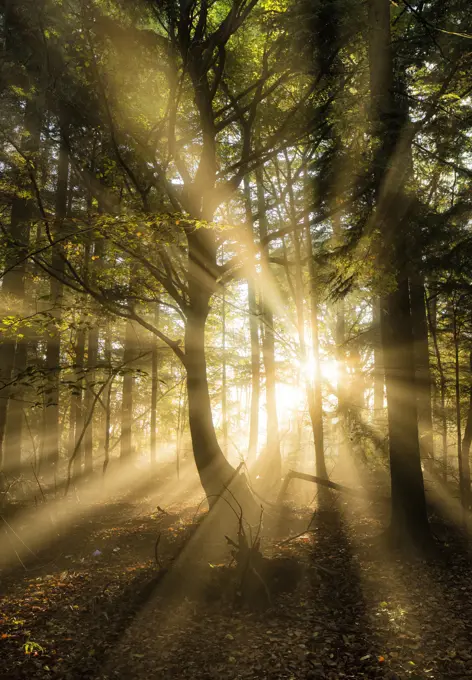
(358, 610)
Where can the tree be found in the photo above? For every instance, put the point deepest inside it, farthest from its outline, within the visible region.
(409, 515)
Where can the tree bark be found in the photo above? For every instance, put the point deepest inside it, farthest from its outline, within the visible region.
(154, 391)
(13, 351)
(77, 415)
(254, 336)
(409, 516)
(464, 474)
(126, 439)
(433, 327)
(423, 369)
(107, 398)
(214, 470)
(272, 454)
(466, 442)
(379, 377)
(92, 358)
(53, 348)
(224, 394)
(212, 465)
(340, 338)
(315, 394)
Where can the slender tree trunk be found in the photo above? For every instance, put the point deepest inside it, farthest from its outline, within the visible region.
(254, 335)
(14, 427)
(297, 289)
(409, 515)
(94, 253)
(268, 351)
(423, 370)
(433, 327)
(92, 358)
(224, 394)
(379, 376)
(154, 391)
(255, 375)
(463, 483)
(53, 347)
(315, 394)
(107, 399)
(77, 415)
(178, 433)
(126, 440)
(465, 450)
(340, 338)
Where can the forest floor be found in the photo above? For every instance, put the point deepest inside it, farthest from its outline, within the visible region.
(354, 610)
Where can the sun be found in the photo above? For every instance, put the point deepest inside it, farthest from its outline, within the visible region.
(291, 398)
(328, 369)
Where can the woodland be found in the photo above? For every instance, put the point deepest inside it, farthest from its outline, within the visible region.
(235, 339)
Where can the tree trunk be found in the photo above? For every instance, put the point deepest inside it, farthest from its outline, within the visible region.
(92, 357)
(77, 416)
(211, 463)
(214, 470)
(465, 451)
(340, 338)
(224, 395)
(464, 483)
(154, 391)
(13, 351)
(126, 439)
(53, 348)
(379, 377)
(107, 398)
(315, 394)
(409, 516)
(254, 335)
(272, 454)
(14, 425)
(423, 370)
(433, 327)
